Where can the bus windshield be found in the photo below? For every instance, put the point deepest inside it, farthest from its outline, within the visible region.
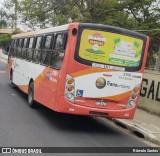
(110, 48)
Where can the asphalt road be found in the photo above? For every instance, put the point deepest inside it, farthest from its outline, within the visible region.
(23, 126)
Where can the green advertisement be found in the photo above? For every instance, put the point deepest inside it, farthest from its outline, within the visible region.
(110, 48)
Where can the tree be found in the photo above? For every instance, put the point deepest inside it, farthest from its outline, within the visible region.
(147, 16)
(4, 40)
(3, 16)
(130, 14)
(36, 13)
(12, 6)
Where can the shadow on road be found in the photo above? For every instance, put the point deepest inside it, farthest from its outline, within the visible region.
(68, 122)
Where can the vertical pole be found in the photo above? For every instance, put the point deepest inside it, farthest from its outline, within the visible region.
(15, 14)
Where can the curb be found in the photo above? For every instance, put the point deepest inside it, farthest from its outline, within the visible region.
(138, 128)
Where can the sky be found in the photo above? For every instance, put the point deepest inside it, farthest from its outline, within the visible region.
(20, 25)
(1, 2)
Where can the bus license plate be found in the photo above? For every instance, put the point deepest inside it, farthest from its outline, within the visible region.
(101, 103)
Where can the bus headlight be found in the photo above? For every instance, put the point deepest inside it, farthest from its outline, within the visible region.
(69, 89)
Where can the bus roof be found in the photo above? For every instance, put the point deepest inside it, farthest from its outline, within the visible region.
(84, 25)
(53, 29)
(42, 31)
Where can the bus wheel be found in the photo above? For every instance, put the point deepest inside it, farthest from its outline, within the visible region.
(31, 101)
(11, 80)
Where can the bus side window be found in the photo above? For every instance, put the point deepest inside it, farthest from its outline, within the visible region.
(15, 47)
(37, 51)
(11, 48)
(46, 52)
(19, 46)
(24, 48)
(12, 42)
(10, 53)
(58, 52)
(30, 49)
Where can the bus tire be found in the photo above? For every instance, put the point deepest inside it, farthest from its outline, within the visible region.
(31, 101)
(11, 80)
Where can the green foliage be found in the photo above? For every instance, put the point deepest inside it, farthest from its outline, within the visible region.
(130, 14)
(4, 40)
(3, 15)
(3, 24)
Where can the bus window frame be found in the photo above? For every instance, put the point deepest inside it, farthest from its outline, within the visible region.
(40, 48)
(52, 39)
(26, 47)
(26, 42)
(15, 47)
(46, 49)
(20, 47)
(32, 48)
(65, 33)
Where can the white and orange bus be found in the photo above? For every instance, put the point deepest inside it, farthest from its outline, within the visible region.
(80, 68)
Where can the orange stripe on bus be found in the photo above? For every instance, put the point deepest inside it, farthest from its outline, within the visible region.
(24, 88)
(40, 78)
(89, 71)
(37, 81)
(118, 97)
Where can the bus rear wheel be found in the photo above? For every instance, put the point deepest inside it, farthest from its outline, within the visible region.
(31, 101)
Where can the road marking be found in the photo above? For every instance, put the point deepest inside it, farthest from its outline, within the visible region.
(2, 72)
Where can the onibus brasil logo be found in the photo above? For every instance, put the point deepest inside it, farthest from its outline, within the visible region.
(96, 40)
